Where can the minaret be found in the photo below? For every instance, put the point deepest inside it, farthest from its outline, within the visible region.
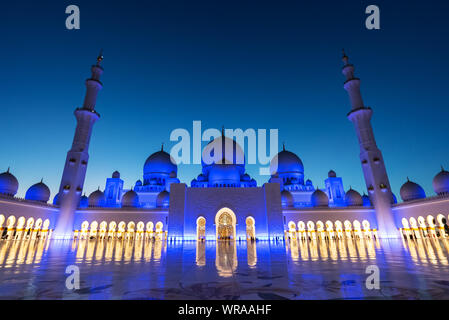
(77, 158)
(373, 165)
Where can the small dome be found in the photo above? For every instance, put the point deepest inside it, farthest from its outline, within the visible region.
(172, 174)
(332, 174)
(353, 198)
(246, 177)
(160, 162)
(84, 202)
(56, 200)
(96, 199)
(116, 175)
(394, 200)
(286, 199)
(130, 199)
(319, 199)
(201, 177)
(441, 182)
(8, 184)
(163, 199)
(411, 191)
(38, 192)
(309, 182)
(287, 162)
(138, 183)
(366, 201)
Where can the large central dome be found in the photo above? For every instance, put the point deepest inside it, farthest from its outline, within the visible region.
(223, 151)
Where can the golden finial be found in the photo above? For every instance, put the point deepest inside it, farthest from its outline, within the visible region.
(100, 57)
(345, 57)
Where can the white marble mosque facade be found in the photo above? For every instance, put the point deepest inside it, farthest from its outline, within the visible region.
(224, 199)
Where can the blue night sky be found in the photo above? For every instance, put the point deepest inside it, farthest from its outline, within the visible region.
(241, 64)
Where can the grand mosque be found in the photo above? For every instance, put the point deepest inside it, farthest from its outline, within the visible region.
(223, 201)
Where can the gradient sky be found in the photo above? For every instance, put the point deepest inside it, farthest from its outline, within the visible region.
(241, 64)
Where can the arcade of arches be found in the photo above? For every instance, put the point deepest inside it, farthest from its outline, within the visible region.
(225, 221)
(13, 228)
(24, 229)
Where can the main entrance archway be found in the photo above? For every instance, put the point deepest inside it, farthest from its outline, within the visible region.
(225, 221)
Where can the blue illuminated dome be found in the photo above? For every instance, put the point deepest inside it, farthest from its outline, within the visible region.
(84, 202)
(38, 192)
(130, 199)
(160, 163)
(116, 175)
(225, 175)
(441, 182)
(366, 201)
(163, 199)
(331, 174)
(288, 166)
(286, 199)
(56, 200)
(231, 154)
(319, 199)
(97, 199)
(411, 191)
(394, 200)
(8, 184)
(353, 198)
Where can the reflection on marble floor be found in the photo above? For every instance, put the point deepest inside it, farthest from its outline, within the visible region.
(154, 269)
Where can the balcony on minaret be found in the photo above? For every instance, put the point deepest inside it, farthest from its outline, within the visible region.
(89, 110)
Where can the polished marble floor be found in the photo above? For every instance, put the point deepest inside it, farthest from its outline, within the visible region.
(409, 269)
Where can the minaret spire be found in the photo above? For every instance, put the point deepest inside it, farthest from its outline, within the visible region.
(373, 166)
(100, 58)
(93, 84)
(352, 84)
(72, 180)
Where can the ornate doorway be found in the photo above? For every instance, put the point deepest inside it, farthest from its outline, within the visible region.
(225, 222)
(201, 228)
(250, 228)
